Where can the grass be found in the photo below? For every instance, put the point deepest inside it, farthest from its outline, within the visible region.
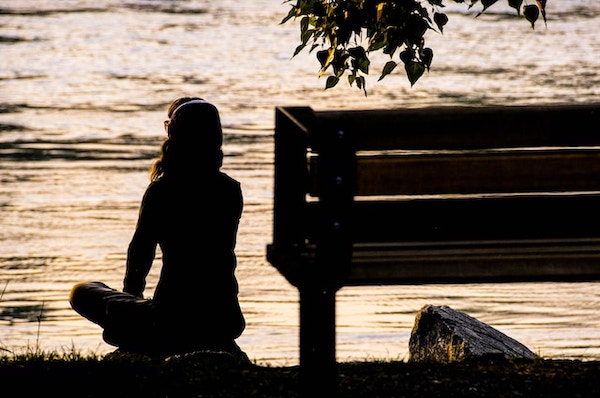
(71, 374)
(35, 373)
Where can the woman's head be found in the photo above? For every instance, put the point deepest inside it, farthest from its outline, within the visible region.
(194, 139)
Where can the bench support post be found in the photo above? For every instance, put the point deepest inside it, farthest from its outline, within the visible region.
(318, 367)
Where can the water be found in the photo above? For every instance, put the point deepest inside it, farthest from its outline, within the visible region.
(84, 87)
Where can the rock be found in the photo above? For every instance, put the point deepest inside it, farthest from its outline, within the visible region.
(442, 334)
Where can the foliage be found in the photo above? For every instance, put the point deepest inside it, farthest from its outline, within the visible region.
(340, 27)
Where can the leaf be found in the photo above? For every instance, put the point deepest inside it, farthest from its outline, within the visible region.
(516, 4)
(361, 61)
(330, 56)
(415, 28)
(414, 70)
(363, 65)
(290, 15)
(387, 69)
(486, 4)
(426, 56)
(407, 56)
(542, 6)
(357, 52)
(298, 49)
(377, 42)
(304, 24)
(322, 57)
(531, 13)
(331, 82)
(440, 20)
(361, 83)
(380, 10)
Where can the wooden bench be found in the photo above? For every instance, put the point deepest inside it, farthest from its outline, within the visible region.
(434, 195)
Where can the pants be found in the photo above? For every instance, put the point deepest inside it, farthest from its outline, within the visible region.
(128, 321)
(134, 324)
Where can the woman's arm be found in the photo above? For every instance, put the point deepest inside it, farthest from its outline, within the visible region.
(142, 248)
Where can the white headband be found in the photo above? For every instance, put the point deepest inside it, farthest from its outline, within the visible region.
(195, 101)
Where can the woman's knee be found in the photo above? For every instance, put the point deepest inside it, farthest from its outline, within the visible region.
(83, 291)
(86, 298)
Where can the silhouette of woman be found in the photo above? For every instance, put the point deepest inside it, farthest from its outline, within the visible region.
(191, 210)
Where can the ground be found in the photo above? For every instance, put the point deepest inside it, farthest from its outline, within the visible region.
(225, 376)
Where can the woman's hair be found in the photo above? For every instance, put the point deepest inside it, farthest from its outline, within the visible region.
(194, 139)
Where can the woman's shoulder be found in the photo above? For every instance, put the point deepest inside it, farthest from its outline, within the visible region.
(190, 182)
(227, 179)
(154, 190)
(157, 185)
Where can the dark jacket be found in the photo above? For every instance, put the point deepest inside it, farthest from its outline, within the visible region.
(195, 226)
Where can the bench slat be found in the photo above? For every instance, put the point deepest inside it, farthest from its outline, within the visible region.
(497, 172)
(468, 218)
(462, 127)
(452, 262)
(469, 262)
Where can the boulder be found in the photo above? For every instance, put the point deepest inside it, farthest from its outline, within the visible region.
(442, 334)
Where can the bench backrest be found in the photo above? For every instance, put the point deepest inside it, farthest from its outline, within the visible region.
(449, 194)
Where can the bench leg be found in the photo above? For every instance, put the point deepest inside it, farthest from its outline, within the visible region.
(318, 370)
